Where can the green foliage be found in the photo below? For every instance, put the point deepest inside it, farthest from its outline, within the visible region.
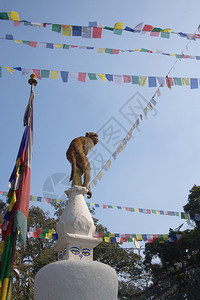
(193, 205)
(176, 271)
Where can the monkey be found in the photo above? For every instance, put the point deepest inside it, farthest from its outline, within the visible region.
(76, 155)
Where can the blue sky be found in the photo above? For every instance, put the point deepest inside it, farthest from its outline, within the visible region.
(161, 164)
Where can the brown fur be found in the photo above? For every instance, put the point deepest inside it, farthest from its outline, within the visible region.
(76, 155)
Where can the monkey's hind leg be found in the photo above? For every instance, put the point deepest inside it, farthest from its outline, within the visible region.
(77, 179)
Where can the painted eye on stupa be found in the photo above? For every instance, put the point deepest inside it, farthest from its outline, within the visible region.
(75, 250)
(86, 252)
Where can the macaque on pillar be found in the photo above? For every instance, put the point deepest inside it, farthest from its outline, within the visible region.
(76, 155)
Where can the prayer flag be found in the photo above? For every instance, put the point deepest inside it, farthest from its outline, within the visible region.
(81, 77)
(13, 15)
(67, 30)
(41, 45)
(33, 44)
(4, 16)
(18, 199)
(56, 28)
(115, 51)
(119, 25)
(86, 32)
(117, 79)
(9, 37)
(76, 30)
(135, 79)
(118, 31)
(143, 81)
(49, 45)
(158, 92)
(100, 50)
(161, 81)
(147, 28)
(186, 81)
(9, 69)
(152, 81)
(177, 81)
(92, 76)
(65, 46)
(73, 75)
(37, 73)
(127, 78)
(45, 73)
(97, 32)
(93, 24)
(139, 27)
(64, 76)
(58, 46)
(54, 74)
(102, 76)
(165, 34)
(109, 77)
(154, 33)
(168, 82)
(193, 83)
(25, 71)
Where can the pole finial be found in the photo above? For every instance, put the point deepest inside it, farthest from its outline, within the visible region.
(32, 80)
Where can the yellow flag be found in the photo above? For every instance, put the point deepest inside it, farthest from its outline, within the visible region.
(51, 230)
(48, 236)
(101, 50)
(136, 209)
(107, 239)
(165, 236)
(9, 69)
(34, 198)
(18, 41)
(139, 237)
(102, 76)
(119, 25)
(12, 201)
(111, 235)
(186, 81)
(58, 46)
(166, 30)
(138, 50)
(54, 74)
(13, 15)
(67, 30)
(143, 81)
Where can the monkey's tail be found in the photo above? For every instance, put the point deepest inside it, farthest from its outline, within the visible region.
(73, 162)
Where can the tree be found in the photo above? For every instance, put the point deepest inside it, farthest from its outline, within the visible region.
(176, 272)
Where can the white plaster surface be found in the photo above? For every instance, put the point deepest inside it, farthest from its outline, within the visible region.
(76, 217)
(76, 280)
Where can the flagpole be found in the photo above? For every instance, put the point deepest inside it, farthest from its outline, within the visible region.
(32, 81)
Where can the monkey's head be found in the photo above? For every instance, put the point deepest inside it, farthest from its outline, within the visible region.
(93, 136)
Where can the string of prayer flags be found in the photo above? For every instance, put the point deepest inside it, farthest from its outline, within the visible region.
(148, 81)
(94, 30)
(47, 45)
(106, 206)
(109, 237)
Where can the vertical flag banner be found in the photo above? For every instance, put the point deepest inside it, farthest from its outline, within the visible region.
(15, 219)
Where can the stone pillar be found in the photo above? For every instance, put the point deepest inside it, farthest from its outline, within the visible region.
(76, 276)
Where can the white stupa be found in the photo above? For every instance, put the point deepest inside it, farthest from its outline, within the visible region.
(76, 276)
